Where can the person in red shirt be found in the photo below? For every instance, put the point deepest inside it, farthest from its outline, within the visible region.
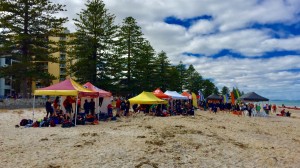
(68, 106)
(109, 110)
(274, 108)
(118, 106)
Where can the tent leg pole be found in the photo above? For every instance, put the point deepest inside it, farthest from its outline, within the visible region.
(76, 110)
(33, 107)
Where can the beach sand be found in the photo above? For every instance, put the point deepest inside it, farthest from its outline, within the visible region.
(207, 140)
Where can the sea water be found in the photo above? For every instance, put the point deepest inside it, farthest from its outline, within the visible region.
(289, 103)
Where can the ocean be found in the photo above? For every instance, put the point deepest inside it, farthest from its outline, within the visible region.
(290, 103)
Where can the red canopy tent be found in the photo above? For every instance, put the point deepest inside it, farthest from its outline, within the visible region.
(158, 93)
(186, 94)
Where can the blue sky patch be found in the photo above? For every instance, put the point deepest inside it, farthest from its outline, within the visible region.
(227, 52)
(279, 30)
(186, 22)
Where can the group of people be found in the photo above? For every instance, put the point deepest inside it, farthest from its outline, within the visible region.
(53, 108)
(215, 106)
(122, 107)
(284, 113)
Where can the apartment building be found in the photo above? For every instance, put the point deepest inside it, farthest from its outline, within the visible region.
(5, 83)
(59, 70)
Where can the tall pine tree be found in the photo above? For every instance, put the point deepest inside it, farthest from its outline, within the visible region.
(130, 40)
(194, 80)
(182, 75)
(93, 44)
(162, 74)
(26, 26)
(144, 68)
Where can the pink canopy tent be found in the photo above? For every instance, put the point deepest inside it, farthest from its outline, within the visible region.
(104, 97)
(158, 93)
(102, 93)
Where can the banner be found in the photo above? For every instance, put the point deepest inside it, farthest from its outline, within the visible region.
(237, 92)
(201, 96)
(194, 100)
(225, 98)
(232, 98)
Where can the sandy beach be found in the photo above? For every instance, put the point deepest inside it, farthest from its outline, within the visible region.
(207, 140)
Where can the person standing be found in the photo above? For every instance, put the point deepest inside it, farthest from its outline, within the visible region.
(118, 106)
(68, 106)
(49, 108)
(56, 103)
(78, 105)
(127, 107)
(110, 110)
(86, 107)
(274, 108)
(92, 107)
(123, 107)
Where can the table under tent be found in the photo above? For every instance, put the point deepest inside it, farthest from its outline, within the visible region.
(65, 88)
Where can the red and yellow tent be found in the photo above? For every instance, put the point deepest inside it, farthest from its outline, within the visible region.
(67, 87)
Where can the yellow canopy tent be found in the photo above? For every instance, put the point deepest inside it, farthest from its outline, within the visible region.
(146, 98)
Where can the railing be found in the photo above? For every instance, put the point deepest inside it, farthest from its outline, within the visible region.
(21, 103)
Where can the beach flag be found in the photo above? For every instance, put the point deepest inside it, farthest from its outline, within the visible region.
(194, 100)
(225, 98)
(232, 98)
(237, 92)
(201, 95)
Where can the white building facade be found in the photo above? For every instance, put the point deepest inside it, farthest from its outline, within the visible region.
(5, 83)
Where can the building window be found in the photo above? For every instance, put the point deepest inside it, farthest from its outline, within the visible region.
(8, 61)
(7, 92)
(7, 81)
(62, 57)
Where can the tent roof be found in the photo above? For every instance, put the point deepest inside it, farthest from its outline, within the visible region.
(175, 95)
(146, 98)
(252, 96)
(214, 97)
(186, 94)
(158, 93)
(102, 93)
(67, 87)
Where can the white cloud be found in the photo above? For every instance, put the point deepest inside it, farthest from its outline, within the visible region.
(202, 27)
(230, 22)
(265, 76)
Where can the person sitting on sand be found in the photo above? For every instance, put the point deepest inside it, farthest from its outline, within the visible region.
(288, 114)
(282, 112)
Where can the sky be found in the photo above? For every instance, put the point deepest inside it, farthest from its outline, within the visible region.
(253, 45)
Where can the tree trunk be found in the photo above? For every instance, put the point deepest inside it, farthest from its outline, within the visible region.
(25, 59)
